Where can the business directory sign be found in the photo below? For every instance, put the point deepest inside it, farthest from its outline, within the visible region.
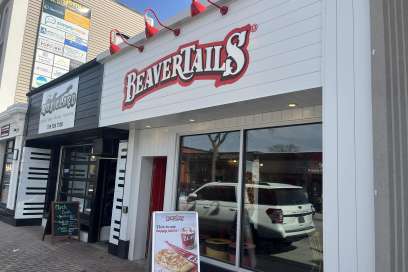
(62, 40)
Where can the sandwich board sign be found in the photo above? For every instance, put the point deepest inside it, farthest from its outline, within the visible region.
(175, 243)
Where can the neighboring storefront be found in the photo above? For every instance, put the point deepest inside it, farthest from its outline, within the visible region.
(249, 120)
(66, 156)
(11, 139)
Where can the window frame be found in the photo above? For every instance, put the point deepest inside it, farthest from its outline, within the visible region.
(64, 181)
(240, 186)
(6, 154)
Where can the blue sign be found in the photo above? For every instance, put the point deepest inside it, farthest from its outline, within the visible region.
(76, 45)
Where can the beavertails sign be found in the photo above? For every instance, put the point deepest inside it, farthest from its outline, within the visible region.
(225, 62)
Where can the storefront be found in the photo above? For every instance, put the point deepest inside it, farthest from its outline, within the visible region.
(11, 139)
(259, 120)
(66, 156)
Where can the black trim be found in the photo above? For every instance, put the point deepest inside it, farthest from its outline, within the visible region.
(33, 209)
(28, 222)
(121, 250)
(37, 213)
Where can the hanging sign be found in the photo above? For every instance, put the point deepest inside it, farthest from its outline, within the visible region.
(58, 107)
(175, 242)
(225, 62)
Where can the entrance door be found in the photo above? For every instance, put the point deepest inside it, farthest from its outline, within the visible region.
(157, 190)
(158, 184)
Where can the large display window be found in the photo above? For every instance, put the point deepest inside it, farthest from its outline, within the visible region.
(272, 209)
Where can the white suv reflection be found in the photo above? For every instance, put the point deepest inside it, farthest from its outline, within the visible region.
(274, 210)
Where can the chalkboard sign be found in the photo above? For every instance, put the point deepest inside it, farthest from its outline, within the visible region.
(65, 219)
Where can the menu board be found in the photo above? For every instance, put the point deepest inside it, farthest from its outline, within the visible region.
(175, 245)
(62, 40)
(65, 219)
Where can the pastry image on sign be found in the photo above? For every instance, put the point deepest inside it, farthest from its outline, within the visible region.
(175, 245)
(173, 261)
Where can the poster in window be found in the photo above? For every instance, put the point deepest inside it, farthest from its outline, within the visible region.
(175, 244)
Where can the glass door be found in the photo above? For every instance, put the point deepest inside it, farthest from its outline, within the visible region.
(7, 167)
(78, 176)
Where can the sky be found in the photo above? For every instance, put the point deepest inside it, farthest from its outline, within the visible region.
(165, 9)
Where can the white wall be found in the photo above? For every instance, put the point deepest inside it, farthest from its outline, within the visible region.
(348, 138)
(285, 56)
(164, 142)
(15, 117)
(13, 53)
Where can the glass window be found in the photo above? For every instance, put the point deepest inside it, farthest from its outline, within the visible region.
(78, 176)
(7, 168)
(282, 218)
(208, 176)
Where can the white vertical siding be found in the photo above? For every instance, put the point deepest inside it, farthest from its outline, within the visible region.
(285, 56)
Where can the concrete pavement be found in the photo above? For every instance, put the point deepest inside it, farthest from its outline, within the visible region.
(22, 250)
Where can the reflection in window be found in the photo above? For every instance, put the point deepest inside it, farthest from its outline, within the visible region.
(282, 220)
(78, 176)
(208, 177)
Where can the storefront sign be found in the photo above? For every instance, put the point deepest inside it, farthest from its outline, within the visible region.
(5, 131)
(225, 62)
(52, 33)
(61, 62)
(175, 242)
(58, 107)
(44, 57)
(39, 80)
(42, 69)
(63, 33)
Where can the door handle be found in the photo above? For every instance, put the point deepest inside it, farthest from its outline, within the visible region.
(233, 210)
(206, 207)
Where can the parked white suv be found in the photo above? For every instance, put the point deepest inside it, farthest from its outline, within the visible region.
(275, 210)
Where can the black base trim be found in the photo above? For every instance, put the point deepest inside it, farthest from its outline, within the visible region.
(205, 267)
(28, 222)
(121, 250)
(7, 216)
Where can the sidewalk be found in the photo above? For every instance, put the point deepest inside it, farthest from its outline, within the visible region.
(22, 250)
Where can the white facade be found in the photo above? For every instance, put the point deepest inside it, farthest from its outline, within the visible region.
(14, 118)
(312, 53)
(12, 52)
(288, 42)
